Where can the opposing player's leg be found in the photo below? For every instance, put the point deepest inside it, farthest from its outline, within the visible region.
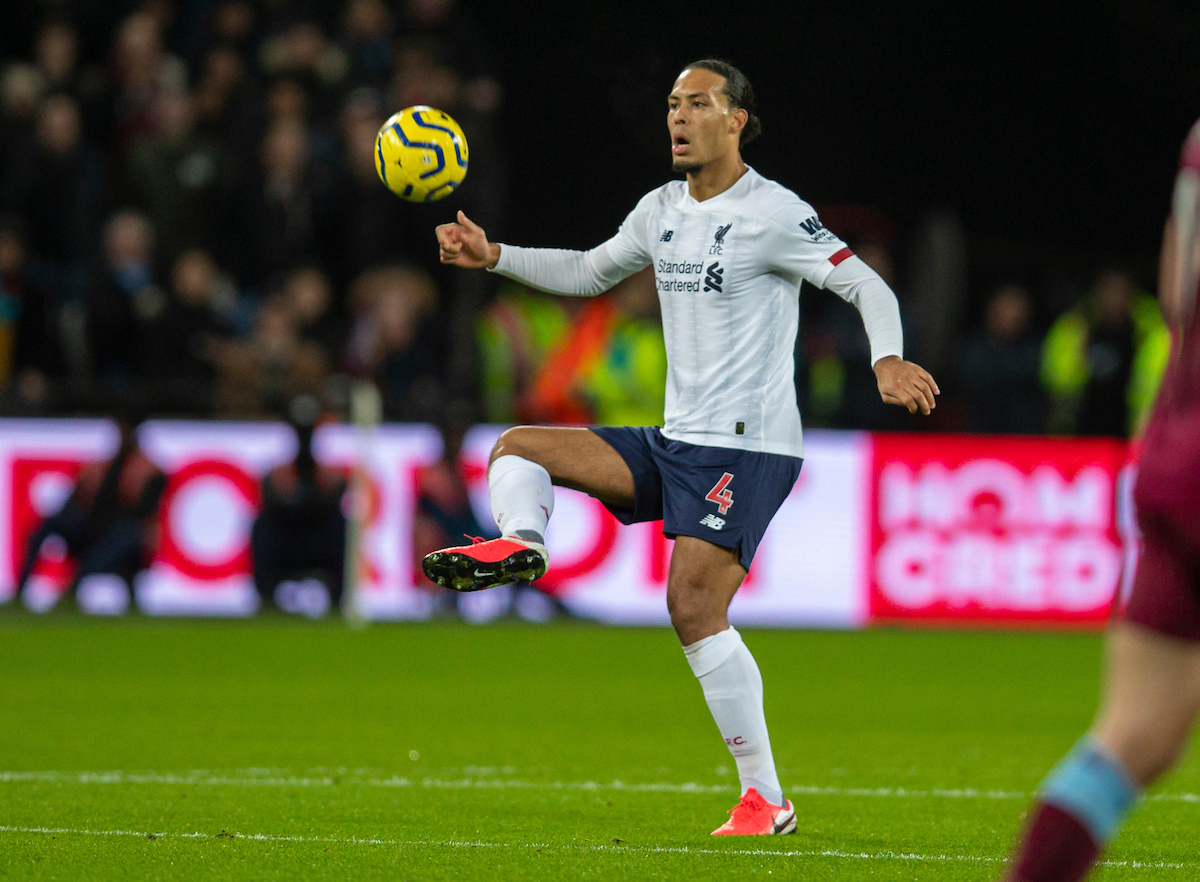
(525, 464)
(1152, 695)
(702, 581)
(1150, 703)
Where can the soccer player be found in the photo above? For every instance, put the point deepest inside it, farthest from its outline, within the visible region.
(1152, 684)
(729, 250)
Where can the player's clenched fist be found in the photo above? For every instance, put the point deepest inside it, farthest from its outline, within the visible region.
(907, 384)
(465, 244)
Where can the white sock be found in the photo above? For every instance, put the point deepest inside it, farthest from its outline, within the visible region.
(522, 496)
(733, 689)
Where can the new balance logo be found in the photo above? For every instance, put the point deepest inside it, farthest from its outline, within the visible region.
(719, 238)
(711, 520)
(714, 277)
(666, 236)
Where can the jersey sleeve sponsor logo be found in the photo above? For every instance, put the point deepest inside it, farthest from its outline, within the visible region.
(816, 230)
(721, 494)
(719, 239)
(714, 277)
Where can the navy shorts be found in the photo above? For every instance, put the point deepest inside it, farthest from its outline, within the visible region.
(723, 496)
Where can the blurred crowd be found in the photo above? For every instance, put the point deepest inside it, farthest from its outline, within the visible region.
(190, 220)
(1030, 347)
(189, 210)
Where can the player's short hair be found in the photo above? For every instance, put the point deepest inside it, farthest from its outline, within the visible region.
(738, 92)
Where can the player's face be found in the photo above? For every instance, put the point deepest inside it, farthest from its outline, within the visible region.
(703, 127)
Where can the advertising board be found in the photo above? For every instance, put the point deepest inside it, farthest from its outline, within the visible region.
(878, 528)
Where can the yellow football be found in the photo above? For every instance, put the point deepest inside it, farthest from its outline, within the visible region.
(421, 154)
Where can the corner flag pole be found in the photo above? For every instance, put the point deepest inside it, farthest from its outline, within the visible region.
(366, 410)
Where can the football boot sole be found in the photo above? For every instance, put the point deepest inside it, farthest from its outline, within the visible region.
(461, 572)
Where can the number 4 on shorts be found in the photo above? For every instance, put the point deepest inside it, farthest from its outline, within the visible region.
(721, 494)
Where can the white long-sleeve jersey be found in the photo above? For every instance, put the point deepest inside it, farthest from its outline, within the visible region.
(728, 273)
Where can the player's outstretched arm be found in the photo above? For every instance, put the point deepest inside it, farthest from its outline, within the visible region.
(557, 270)
(464, 243)
(907, 384)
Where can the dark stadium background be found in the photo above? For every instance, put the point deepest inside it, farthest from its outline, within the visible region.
(1046, 125)
(1049, 130)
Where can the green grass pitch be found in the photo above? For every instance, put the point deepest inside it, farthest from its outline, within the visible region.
(277, 749)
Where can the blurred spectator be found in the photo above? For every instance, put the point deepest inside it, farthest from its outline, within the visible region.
(142, 71)
(286, 100)
(30, 352)
(610, 367)
(302, 50)
(627, 385)
(21, 89)
(1000, 364)
(260, 375)
(367, 42)
(300, 532)
(56, 53)
(1103, 360)
(226, 103)
(183, 334)
(370, 226)
(391, 341)
(280, 211)
(122, 296)
(422, 77)
(457, 52)
(515, 334)
(232, 23)
(57, 184)
(175, 175)
(108, 523)
(307, 293)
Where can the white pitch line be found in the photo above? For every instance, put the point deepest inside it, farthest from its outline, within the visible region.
(647, 849)
(263, 778)
(243, 780)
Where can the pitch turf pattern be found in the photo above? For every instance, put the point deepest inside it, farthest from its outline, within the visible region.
(281, 749)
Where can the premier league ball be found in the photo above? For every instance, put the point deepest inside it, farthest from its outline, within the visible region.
(421, 154)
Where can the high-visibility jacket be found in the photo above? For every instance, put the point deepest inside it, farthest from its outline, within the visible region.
(1065, 371)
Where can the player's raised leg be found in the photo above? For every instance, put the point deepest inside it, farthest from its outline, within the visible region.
(525, 464)
(702, 581)
(1152, 696)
